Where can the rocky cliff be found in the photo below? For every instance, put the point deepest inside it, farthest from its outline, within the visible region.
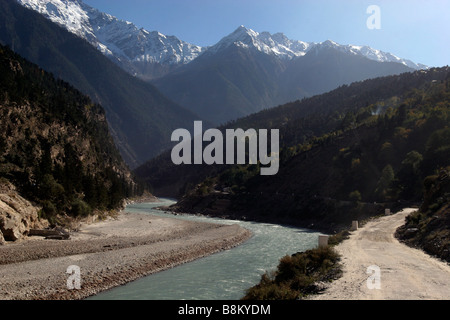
(17, 215)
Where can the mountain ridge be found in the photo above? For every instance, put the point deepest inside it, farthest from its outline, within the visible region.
(279, 45)
(122, 40)
(344, 155)
(242, 80)
(141, 118)
(243, 73)
(298, 122)
(131, 47)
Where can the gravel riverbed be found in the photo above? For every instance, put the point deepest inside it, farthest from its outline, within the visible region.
(108, 254)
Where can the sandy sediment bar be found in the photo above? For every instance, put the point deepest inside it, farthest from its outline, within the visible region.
(109, 254)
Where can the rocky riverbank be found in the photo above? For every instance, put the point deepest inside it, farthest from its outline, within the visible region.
(109, 254)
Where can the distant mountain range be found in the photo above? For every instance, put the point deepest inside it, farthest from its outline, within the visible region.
(280, 46)
(128, 43)
(243, 73)
(247, 72)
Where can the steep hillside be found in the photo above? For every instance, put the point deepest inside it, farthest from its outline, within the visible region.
(141, 119)
(346, 154)
(326, 67)
(227, 85)
(55, 146)
(298, 122)
(429, 228)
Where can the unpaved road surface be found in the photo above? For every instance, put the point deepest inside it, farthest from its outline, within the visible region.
(405, 273)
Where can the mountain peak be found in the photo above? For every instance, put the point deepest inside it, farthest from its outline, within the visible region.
(277, 45)
(242, 33)
(330, 43)
(241, 28)
(114, 37)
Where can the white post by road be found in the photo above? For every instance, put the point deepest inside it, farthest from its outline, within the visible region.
(354, 226)
(323, 241)
(387, 212)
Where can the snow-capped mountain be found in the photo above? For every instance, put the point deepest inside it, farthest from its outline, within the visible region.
(279, 45)
(128, 43)
(368, 52)
(248, 71)
(243, 73)
(117, 38)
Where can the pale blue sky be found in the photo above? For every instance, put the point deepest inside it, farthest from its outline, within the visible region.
(418, 30)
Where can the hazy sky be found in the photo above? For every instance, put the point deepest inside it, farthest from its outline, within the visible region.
(418, 30)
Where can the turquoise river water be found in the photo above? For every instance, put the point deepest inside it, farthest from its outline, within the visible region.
(221, 276)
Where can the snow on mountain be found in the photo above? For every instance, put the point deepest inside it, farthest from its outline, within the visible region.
(368, 52)
(279, 45)
(127, 42)
(118, 38)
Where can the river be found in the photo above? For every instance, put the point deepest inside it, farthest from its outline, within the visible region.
(221, 276)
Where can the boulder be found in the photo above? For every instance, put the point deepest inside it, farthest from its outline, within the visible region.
(17, 215)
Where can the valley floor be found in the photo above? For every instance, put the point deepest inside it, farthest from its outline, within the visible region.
(108, 254)
(405, 273)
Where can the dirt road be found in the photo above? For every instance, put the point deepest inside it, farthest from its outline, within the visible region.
(404, 273)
